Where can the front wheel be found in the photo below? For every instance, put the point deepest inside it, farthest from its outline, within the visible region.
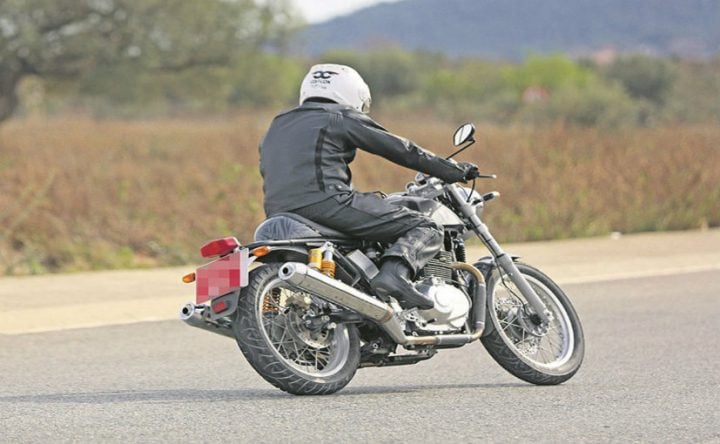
(277, 330)
(537, 356)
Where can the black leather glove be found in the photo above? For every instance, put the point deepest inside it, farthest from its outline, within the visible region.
(470, 170)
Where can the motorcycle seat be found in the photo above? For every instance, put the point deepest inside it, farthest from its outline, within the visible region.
(283, 226)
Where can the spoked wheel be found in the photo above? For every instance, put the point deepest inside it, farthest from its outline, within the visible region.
(283, 335)
(543, 355)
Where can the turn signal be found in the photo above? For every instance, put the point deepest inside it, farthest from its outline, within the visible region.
(189, 278)
(261, 251)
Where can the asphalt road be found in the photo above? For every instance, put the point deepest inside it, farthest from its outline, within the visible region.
(651, 373)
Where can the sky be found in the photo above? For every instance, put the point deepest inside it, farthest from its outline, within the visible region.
(319, 10)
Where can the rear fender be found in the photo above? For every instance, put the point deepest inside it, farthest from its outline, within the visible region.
(284, 253)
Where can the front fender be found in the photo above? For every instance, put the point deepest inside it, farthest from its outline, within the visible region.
(486, 264)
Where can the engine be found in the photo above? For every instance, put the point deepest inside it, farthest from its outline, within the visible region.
(451, 304)
(451, 307)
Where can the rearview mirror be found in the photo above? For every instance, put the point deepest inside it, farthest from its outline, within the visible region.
(464, 134)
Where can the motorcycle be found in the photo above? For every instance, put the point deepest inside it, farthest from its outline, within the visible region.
(299, 304)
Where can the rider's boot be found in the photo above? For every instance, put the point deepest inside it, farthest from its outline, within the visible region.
(394, 280)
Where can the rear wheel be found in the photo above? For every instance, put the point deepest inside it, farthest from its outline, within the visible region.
(279, 331)
(539, 356)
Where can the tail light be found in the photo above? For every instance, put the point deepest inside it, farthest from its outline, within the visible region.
(219, 306)
(219, 247)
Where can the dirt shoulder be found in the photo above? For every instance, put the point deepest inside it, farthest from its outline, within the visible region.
(78, 300)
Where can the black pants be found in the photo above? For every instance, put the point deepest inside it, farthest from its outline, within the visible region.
(415, 238)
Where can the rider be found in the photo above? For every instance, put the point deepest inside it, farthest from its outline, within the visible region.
(304, 162)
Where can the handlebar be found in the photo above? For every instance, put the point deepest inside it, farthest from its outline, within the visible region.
(486, 176)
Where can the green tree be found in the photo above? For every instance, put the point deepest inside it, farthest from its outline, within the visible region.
(595, 104)
(552, 72)
(265, 80)
(695, 94)
(65, 39)
(644, 77)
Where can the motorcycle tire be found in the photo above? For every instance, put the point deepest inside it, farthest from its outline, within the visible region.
(271, 334)
(522, 354)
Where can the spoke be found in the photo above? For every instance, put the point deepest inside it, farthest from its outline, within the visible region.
(273, 322)
(509, 324)
(283, 343)
(280, 341)
(552, 343)
(552, 328)
(555, 348)
(297, 353)
(282, 350)
(547, 352)
(324, 360)
(547, 356)
(304, 350)
(554, 353)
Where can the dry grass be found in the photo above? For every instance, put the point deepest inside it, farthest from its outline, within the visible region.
(81, 194)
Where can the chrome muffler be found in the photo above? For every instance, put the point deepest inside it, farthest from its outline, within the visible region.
(198, 316)
(311, 281)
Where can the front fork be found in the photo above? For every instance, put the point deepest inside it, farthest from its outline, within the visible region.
(503, 261)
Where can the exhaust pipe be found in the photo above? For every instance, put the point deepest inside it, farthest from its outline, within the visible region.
(306, 279)
(479, 310)
(479, 298)
(197, 316)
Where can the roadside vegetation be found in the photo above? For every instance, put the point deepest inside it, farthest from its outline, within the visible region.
(78, 193)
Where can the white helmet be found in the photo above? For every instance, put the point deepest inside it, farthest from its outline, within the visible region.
(338, 83)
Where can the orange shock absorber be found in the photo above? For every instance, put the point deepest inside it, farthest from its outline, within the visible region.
(315, 258)
(328, 268)
(327, 265)
(271, 301)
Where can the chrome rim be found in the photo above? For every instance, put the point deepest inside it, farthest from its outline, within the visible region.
(547, 349)
(312, 352)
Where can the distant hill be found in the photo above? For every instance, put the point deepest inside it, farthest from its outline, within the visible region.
(511, 29)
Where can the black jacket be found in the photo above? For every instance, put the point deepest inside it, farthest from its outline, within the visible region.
(305, 154)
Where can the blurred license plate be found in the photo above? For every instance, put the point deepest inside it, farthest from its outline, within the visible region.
(222, 276)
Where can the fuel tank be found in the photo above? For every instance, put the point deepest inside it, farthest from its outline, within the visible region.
(438, 212)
